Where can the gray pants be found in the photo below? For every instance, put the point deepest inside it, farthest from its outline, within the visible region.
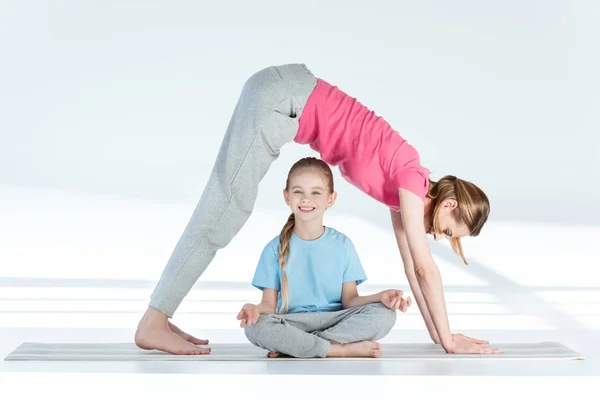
(310, 334)
(265, 118)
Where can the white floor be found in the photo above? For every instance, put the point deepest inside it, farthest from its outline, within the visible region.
(80, 268)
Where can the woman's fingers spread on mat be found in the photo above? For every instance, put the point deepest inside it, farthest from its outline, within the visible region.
(467, 338)
(475, 340)
(462, 344)
(492, 351)
(471, 349)
(487, 350)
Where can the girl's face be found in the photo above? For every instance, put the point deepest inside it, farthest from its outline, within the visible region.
(308, 195)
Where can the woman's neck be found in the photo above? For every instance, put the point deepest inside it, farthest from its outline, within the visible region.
(311, 230)
(427, 212)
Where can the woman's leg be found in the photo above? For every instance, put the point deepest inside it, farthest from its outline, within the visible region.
(265, 118)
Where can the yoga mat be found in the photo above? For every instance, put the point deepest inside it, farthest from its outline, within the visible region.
(247, 352)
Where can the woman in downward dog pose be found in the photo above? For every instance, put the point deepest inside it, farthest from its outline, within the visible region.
(310, 273)
(288, 103)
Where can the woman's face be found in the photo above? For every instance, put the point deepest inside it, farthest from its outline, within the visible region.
(448, 225)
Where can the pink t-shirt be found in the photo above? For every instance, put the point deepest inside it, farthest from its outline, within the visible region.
(369, 153)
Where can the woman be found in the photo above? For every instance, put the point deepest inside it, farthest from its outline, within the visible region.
(286, 103)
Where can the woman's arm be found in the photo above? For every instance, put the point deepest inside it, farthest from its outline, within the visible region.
(409, 270)
(426, 273)
(428, 277)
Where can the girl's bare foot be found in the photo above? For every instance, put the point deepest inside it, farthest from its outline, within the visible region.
(366, 348)
(276, 354)
(154, 333)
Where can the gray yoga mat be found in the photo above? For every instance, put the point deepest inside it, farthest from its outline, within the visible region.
(247, 352)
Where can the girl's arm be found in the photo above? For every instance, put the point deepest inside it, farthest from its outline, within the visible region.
(351, 299)
(250, 313)
(390, 298)
(268, 303)
(409, 269)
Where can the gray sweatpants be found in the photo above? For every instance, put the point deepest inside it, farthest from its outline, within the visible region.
(265, 118)
(310, 334)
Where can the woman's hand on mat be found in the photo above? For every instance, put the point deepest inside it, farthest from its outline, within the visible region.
(248, 315)
(462, 344)
(393, 300)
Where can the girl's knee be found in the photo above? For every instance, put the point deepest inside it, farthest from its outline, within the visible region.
(259, 329)
(252, 334)
(389, 319)
(384, 320)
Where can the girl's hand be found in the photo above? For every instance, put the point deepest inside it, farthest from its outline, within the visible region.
(248, 315)
(393, 300)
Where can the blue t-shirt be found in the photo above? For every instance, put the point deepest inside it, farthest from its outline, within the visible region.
(316, 270)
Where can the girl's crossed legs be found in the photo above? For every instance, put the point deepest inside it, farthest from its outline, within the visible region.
(347, 333)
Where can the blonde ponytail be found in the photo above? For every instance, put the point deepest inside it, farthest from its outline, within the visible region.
(284, 250)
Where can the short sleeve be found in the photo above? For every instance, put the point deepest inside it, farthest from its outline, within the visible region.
(404, 165)
(353, 270)
(267, 270)
(414, 179)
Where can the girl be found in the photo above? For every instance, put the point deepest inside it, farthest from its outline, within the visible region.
(288, 103)
(310, 272)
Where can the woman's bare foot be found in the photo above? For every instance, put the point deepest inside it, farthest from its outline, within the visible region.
(186, 336)
(154, 333)
(366, 348)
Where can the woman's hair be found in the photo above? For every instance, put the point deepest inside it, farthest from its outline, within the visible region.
(320, 167)
(473, 206)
